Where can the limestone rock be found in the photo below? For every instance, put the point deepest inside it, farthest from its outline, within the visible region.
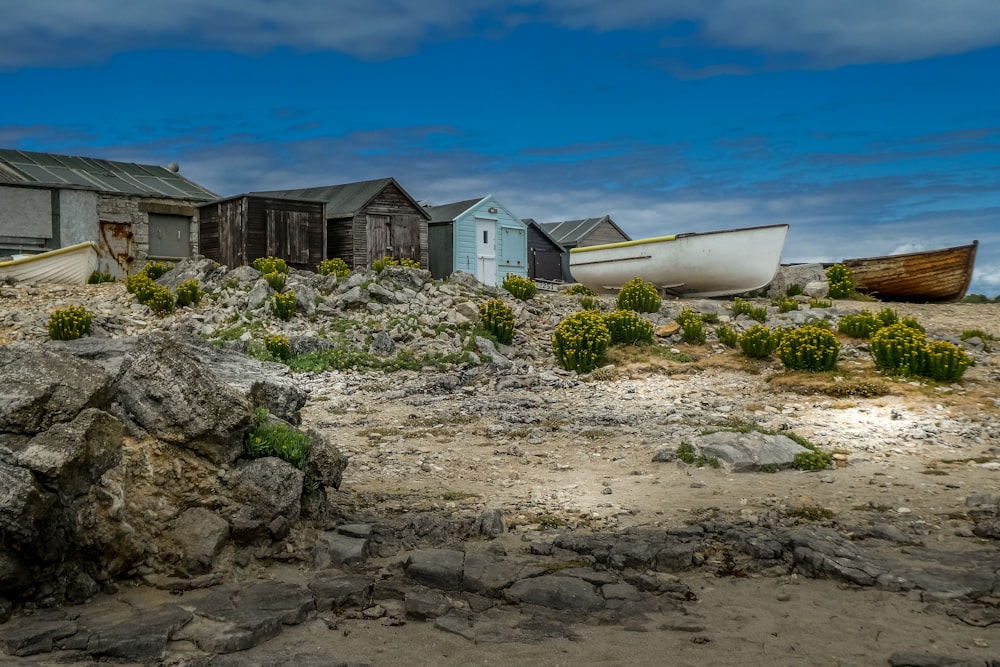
(796, 274)
(41, 388)
(70, 457)
(268, 488)
(748, 452)
(556, 592)
(326, 464)
(200, 535)
(169, 394)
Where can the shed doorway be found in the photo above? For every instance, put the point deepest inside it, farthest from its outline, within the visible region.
(486, 251)
(169, 236)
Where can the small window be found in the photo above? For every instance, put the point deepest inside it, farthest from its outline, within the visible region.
(486, 236)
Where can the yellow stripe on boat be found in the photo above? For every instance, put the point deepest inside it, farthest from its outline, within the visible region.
(49, 253)
(625, 244)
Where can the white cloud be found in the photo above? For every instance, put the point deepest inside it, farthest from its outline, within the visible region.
(825, 33)
(908, 247)
(816, 32)
(987, 275)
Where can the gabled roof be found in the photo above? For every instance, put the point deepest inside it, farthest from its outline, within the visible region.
(571, 232)
(531, 222)
(345, 200)
(449, 212)
(95, 174)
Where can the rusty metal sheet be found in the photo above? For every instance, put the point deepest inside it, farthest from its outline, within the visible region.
(117, 249)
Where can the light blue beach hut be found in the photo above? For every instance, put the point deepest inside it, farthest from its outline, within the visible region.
(478, 236)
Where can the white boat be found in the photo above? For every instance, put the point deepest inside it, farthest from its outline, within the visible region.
(699, 264)
(73, 264)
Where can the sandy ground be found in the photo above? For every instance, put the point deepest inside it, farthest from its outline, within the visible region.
(462, 459)
(454, 454)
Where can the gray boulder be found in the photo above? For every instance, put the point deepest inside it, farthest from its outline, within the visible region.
(437, 568)
(166, 391)
(817, 289)
(199, 535)
(262, 384)
(796, 274)
(70, 457)
(335, 550)
(383, 345)
(556, 592)
(748, 452)
(39, 388)
(108, 353)
(207, 272)
(405, 276)
(355, 296)
(326, 464)
(24, 506)
(269, 488)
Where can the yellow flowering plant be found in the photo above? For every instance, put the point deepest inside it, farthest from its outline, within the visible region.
(638, 295)
(284, 305)
(808, 348)
(189, 293)
(520, 287)
(270, 264)
(628, 328)
(498, 319)
(70, 323)
(580, 340)
(758, 341)
(946, 362)
(278, 346)
(336, 266)
(899, 349)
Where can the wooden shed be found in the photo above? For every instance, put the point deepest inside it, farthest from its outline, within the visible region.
(368, 220)
(544, 254)
(579, 233)
(238, 230)
(478, 236)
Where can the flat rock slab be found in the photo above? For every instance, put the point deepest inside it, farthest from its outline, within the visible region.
(748, 452)
(237, 617)
(556, 592)
(109, 629)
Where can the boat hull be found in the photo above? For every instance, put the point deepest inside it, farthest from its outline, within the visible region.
(933, 275)
(72, 265)
(704, 264)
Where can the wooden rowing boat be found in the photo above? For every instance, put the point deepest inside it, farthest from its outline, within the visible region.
(73, 264)
(931, 275)
(699, 264)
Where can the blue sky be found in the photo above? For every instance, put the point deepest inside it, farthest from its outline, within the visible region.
(869, 126)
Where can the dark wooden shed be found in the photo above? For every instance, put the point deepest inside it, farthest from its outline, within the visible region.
(238, 230)
(369, 220)
(544, 254)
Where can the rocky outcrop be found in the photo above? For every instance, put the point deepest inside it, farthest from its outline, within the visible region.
(166, 392)
(122, 458)
(41, 388)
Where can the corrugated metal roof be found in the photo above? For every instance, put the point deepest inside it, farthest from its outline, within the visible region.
(342, 201)
(101, 175)
(448, 212)
(571, 232)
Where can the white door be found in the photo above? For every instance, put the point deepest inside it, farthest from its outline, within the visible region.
(486, 251)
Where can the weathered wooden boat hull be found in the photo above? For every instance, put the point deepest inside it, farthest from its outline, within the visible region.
(73, 265)
(701, 264)
(933, 275)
